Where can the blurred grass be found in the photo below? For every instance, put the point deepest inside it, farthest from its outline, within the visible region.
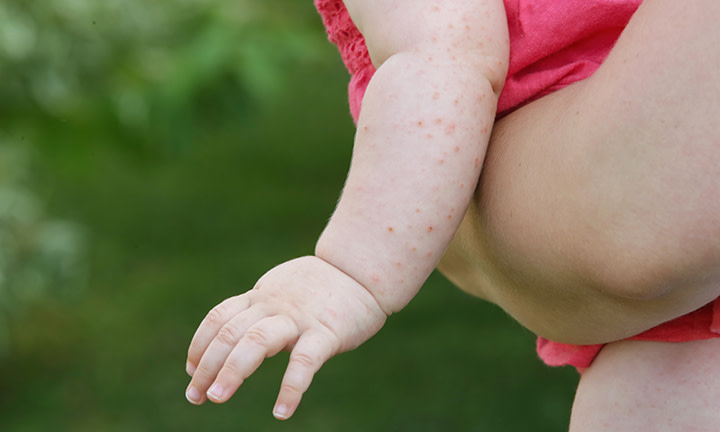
(173, 232)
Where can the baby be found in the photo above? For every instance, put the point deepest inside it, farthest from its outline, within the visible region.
(437, 72)
(420, 144)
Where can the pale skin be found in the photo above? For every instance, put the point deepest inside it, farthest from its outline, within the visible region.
(558, 235)
(600, 204)
(650, 386)
(598, 216)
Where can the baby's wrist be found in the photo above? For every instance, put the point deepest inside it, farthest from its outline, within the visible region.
(390, 290)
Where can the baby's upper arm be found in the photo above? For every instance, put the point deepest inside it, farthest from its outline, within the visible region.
(452, 27)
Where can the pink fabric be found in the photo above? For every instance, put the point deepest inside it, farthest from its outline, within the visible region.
(343, 33)
(553, 43)
(703, 323)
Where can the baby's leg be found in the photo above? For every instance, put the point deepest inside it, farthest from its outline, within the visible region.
(598, 210)
(650, 386)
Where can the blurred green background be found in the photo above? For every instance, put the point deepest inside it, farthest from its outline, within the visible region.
(158, 157)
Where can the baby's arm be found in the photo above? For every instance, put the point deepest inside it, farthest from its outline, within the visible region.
(422, 134)
(421, 139)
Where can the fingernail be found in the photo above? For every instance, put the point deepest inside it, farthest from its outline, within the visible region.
(190, 368)
(281, 412)
(192, 395)
(215, 392)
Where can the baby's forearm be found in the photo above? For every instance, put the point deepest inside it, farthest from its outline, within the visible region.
(420, 143)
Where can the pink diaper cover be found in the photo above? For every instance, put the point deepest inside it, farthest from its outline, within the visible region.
(703, 323)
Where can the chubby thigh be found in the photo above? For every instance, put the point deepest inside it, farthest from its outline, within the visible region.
(597, 215)
(650, 386)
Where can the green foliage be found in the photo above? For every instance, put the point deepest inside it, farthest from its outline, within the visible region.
(147, 69)
(194, 144)
(146, 78)
(39, 255)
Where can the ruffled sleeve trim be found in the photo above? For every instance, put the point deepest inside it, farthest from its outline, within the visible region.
(350, 42)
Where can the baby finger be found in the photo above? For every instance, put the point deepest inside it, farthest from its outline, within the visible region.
(216, 354)
(309, 354)
(264, 339)
(211, 325)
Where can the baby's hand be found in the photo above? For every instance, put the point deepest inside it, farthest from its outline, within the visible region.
(306, 306)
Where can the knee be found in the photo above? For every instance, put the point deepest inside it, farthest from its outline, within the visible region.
(649, 263)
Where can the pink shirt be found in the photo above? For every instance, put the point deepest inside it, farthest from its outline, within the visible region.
(553, 43)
